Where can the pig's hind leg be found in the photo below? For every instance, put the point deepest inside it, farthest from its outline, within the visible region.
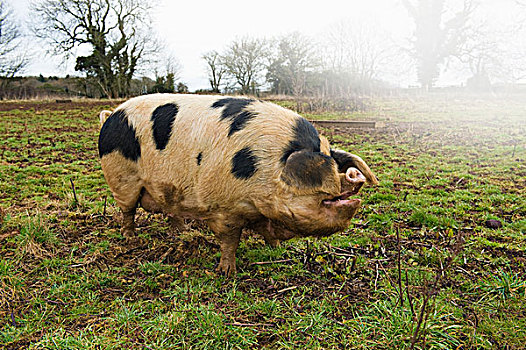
(127, 201)
(126, 187)
(128, 205)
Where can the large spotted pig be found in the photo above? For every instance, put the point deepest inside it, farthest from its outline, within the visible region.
(232, 162)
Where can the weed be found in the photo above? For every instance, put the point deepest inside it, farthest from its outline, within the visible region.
(35, 236)
(504, 284)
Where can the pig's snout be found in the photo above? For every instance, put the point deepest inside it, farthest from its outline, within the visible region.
(353, 181)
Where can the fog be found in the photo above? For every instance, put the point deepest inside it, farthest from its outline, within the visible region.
(490, 43)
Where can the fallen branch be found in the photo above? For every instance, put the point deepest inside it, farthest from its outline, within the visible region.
(376, 278)
(340, 249)
(272, 262)
(168, 251)
(74, 192)
(7, 235)
(339, 254)
(286, 289)
(249, 324)
(128, 251)
(77, 265)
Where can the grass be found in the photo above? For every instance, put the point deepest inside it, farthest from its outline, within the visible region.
(69, 280)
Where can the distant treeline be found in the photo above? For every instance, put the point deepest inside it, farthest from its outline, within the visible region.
(71, 86)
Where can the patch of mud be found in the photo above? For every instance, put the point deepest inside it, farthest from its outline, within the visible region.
(52, 105)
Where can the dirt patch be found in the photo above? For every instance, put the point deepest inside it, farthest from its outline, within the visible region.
(52, 105)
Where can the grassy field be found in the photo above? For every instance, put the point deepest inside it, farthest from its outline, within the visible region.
(421, 266)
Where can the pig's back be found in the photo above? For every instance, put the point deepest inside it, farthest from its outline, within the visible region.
(215, 150)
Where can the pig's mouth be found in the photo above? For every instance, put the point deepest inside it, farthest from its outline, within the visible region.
(351, 185)
(342, 200)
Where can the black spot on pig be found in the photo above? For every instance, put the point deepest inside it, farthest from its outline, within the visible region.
(199, 158)
(307, 169)
(305, 138)
(239, 121)
(163, 118)
(234, 110)
(232, 106)
(244, 163)
(118, 135)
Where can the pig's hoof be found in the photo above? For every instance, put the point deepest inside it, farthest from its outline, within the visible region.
(128, 233)
(274, 243)
(226, 269)
(178, 228)
(177, 224)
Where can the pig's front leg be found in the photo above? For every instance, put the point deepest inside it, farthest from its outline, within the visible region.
(228, 237)
(128, 223)
(228, 243)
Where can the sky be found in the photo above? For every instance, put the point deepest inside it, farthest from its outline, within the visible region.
(199, 26)
(191, 28)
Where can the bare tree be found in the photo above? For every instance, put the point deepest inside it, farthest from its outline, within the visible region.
(116, 31)
(12, 61)
(288, 70)
(439, 34)
(494, 51)
(481, 55)
(245, 60)
(516, 62)
(511, 67)
(216, 69)
(357, 48)
(355, 53)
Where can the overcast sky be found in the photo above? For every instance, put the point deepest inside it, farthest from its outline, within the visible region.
(190, 28)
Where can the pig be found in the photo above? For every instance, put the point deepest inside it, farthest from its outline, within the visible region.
(231, 162)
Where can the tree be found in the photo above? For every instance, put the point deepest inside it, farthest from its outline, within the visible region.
(290, 66)
(494, 51)
(482, 55)
(216, 69)
(116, 31)
(11, 60)
(245, 61)
(356, 52)
(439, 34)
(166, 83)
(182, 88)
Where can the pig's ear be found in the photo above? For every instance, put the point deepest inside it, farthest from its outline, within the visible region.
(305, 169)
(325, 146)
(346, 160)
(103, 116)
